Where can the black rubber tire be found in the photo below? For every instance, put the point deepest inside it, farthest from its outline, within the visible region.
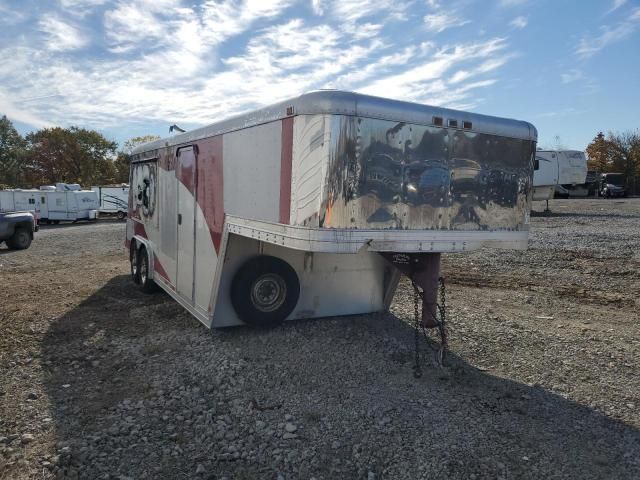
(121, 215)
(244, 283)
(133, 261)
(21, 239)
(146, 284)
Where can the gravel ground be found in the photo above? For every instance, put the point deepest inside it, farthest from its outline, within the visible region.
(101, 381)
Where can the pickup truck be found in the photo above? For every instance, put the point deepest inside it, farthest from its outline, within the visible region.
(16, 229)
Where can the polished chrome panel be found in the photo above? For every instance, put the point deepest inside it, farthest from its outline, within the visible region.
(395, 175)
(347, 103)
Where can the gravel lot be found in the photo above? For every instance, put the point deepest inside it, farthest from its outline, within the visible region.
(101, 381)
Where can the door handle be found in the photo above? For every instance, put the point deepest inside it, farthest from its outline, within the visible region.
(179, 219)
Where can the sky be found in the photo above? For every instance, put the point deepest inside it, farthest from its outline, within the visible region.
(133, 67)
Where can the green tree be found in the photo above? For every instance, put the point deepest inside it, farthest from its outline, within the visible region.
(123, 159)
(71, 155)
(12, 154)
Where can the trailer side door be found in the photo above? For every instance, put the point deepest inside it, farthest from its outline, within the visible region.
(186, 173)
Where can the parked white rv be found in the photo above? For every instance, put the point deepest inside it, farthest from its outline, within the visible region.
(312, 207)
(67, 202)
(113, 199)
(557, 167)
(21, 200)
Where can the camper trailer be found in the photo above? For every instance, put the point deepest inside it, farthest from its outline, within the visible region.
(553, 168)
(21, 200)
(67, 201)
(314, 206)
(113, 199)
(14, 200)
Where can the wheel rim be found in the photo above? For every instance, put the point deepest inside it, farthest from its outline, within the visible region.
(134, 263)
(268, 292)
(143, 270)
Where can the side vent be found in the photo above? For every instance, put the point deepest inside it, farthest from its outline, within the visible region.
(437, 121)
(466, 125)
(453, 123)
(290, 110)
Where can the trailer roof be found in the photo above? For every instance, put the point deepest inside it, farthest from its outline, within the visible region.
(350, 103)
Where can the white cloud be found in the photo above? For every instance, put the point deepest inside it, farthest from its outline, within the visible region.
(590, 45)
(354, 10)
(81, 3)
(179, 69)
(519, 22)
(425, 81)
(438, 22)
(10, 16)
(616, 5)
(123, 23)
(317, 7)
(62, 36)
(512, 3)
(571, 76)
(15, 113)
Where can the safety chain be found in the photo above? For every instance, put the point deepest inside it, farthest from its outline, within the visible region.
(441, 325)
(417, 296)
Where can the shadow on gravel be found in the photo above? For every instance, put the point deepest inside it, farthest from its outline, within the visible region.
(79, 223)
(604, 215)
(139, 389)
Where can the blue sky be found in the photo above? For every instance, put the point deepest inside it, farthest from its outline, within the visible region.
(134, 67)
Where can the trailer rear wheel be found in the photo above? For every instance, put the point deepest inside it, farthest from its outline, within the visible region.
(133, 259)
(120, 215)
(20, 240)
(148, 285)
(265, 290)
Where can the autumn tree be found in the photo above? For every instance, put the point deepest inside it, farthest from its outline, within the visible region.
(123, 159)
(599, 154)
(12, 154)
(617, 152)
(70, 155)
(625, 152)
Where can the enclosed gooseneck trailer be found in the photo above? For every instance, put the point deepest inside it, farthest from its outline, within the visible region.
(312, 207)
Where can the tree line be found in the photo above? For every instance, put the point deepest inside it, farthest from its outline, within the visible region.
(56, 154)
(615, 152)
(78, 155)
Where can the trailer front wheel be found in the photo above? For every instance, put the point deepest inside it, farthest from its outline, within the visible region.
(265, 290)
(148, 285)
(133, 259)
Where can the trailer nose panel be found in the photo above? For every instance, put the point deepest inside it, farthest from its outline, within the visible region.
(392, 175)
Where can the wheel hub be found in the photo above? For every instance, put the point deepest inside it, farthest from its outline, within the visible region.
(268, 292)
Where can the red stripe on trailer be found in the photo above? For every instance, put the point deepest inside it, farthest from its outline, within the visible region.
(285, 169)
(159, 269)
(209, 192)
(138, 229)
